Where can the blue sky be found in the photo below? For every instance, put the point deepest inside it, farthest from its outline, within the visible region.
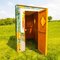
(7, 7)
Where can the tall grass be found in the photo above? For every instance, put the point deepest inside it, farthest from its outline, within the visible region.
(8, 44)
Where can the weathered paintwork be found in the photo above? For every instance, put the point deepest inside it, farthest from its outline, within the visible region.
(38, 27)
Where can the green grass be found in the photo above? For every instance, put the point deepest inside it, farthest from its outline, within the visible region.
(8, 44)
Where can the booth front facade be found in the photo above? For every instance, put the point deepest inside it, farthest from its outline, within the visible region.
(31, 23)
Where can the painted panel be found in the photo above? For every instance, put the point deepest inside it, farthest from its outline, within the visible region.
(42, 21)
(20, 26)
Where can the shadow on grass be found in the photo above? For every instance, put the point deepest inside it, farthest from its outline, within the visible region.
(32, 45)
(12, 42)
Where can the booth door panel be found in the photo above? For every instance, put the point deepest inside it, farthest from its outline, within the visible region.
(42, 21)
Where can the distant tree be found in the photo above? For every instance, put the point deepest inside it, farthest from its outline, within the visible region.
(49, 18)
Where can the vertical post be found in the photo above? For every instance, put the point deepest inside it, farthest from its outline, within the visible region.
(20, 26)
(46, 30)
(17, 16)
(22, 41)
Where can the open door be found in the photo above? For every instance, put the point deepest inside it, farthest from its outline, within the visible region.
(42, 31)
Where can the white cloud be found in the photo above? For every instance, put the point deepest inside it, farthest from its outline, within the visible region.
(53, 8)
(52, 5)
(53, 1)
(3, 14)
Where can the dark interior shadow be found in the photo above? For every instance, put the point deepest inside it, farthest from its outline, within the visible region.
(31, 44)
(12, 42)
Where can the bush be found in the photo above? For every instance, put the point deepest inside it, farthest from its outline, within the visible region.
(7, 21)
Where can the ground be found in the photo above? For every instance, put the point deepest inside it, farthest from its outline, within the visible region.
(8, 44)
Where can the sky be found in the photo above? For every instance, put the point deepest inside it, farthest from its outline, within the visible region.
(7, 7)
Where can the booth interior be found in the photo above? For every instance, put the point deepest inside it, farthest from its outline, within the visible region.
(31, 27)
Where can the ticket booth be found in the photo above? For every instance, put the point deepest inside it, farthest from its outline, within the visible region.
(31, 23)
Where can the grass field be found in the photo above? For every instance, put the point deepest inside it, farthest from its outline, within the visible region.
(8, 44)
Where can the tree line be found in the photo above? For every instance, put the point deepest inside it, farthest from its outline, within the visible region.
(7, 21)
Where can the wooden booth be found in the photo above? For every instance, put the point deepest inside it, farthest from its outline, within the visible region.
(31, 23)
